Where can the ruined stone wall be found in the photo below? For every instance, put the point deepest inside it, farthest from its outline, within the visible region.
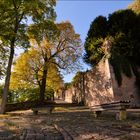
(99, 86)
(127, 91)
(94, 88)
(74, 95)
(69, 95)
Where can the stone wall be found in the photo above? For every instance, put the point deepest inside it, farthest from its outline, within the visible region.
(128, 89)
(98, 89)
(99, 86)
(69, 95)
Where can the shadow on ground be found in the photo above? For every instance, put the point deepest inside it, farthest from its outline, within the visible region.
(78, 123)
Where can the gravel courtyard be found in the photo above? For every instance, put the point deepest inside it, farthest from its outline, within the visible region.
(75, 123)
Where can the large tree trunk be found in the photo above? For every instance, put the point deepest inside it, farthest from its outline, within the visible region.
(43, 84)
(7, 79)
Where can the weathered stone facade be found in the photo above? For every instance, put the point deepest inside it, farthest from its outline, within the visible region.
(127, 91)
(99, 86)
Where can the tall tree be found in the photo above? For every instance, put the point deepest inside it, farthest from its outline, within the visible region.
(15, 16)
(27, 73)
(123, 30)
(62, 48)
(95, 36)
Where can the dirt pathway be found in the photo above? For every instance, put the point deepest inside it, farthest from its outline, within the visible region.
(75, 123)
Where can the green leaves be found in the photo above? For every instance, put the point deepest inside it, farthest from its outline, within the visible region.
(96, 34)
(123, 30)
(94, 51)
(122, 21)
(15, 18)
(16, 15)
(46, 29)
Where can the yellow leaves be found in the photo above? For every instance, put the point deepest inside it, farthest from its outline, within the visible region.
(22, 72)
(28, 70)
(63, 52)
(45, 47)
(45, 44)
(54, 79)
(33, 42)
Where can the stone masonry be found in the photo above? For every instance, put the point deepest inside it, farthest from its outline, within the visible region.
(98, 86)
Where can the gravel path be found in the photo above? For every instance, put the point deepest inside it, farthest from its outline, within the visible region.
(69, 124)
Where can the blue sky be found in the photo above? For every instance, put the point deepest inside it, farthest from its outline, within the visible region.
(82, 13)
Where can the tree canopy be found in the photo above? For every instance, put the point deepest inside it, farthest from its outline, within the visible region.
(27, 75)
(60, 46)
(97, 32)
(15, 17)
(123, 30)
